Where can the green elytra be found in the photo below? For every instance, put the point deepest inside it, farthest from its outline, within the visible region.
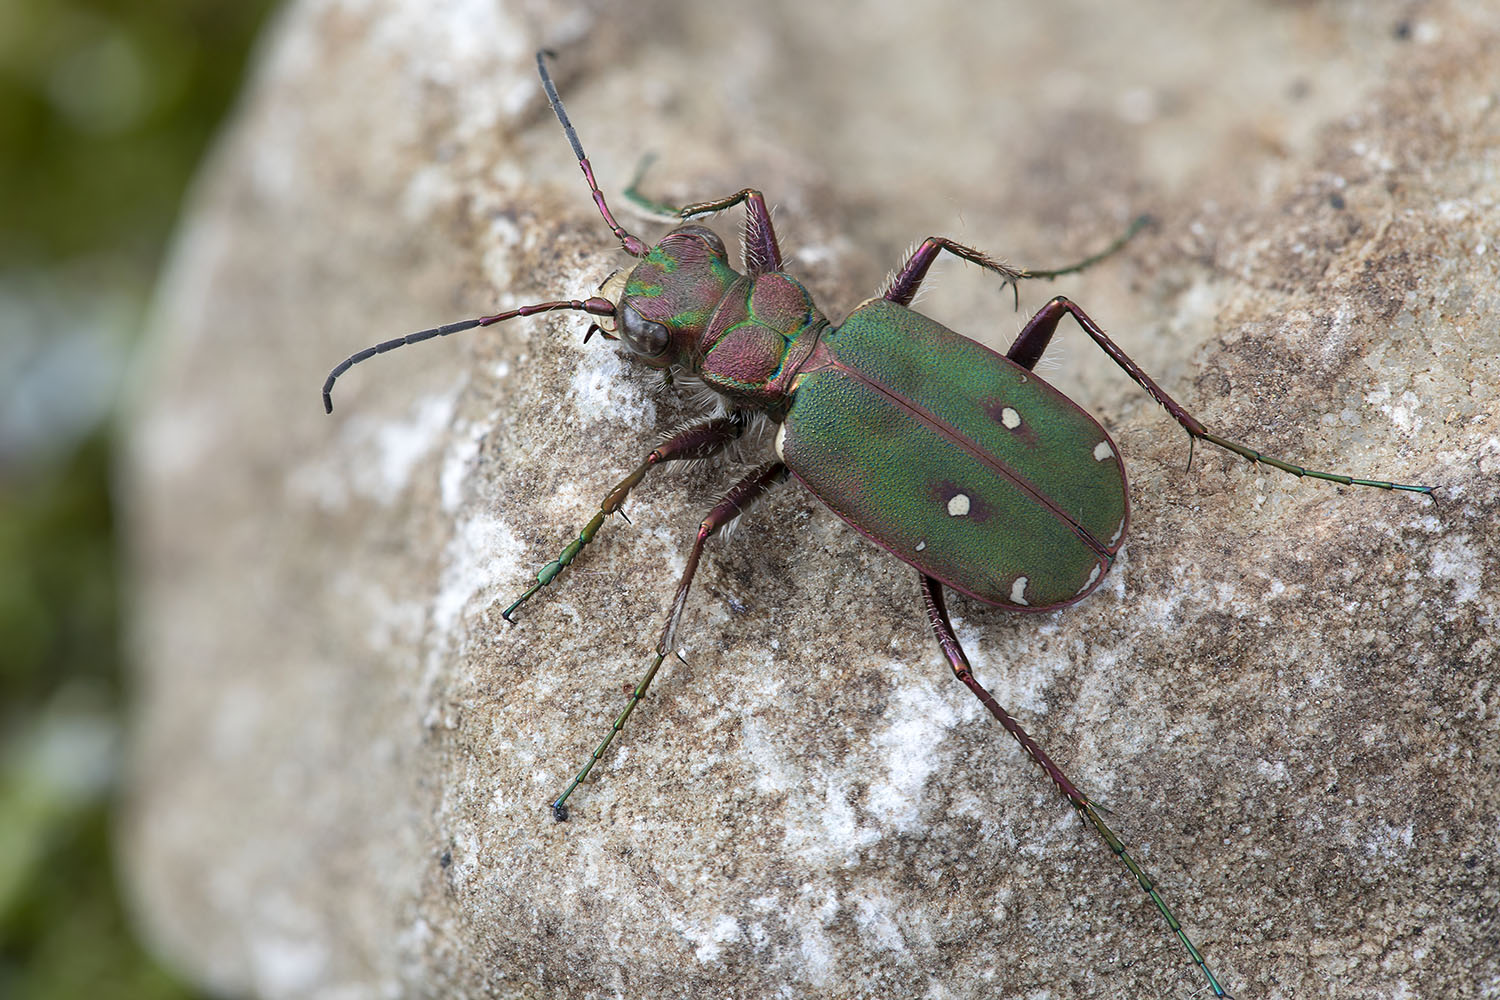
(960, 461)
(965, 465)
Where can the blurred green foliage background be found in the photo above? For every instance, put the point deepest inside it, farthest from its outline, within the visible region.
(105, 110)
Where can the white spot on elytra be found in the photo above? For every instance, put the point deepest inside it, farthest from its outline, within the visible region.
(780, 440)
(1118, 532)
(1018, 591)
(921, 546)
(1093, 576)
(959, 505)
(1102, 450)
(1010, 418)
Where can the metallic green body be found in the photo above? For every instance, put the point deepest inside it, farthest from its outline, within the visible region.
(956, 460)
(952, 457)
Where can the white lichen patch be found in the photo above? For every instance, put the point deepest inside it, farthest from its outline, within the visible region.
(429, 190)
(808, 919)
(1456, 559)
(600, 390)
(471, 36)
(958, 505)
(1402, 412)
(458, 463)
(1020, 683)
(875, 917)
(917, 718)
(820, 832)
(375, 458)
(710, 941)
(286, 962)
(400, 445)
(480, 556)
(837, 822)
(285, 944)
(1271, 771)
(1386, 840)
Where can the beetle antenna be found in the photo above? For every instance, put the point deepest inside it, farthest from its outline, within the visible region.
(594, 307)
(633, 244)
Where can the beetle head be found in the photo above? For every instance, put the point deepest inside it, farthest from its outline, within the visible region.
(664, 303)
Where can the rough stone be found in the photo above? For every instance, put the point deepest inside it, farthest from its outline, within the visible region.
(1285, 691)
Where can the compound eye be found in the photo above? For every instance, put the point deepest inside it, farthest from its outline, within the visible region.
(645, 337)
(712, 239)
(706, 235)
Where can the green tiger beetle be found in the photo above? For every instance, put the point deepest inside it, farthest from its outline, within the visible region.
(959, 461)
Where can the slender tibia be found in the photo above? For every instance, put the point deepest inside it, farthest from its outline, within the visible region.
(735, 502)
(904, 286)
(762, 252)
(937, 617)
(1033, 341)
(594, 307)
(699, 441)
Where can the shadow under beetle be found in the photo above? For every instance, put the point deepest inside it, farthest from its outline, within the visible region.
(959, 461)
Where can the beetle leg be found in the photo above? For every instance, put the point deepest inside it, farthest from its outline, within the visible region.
(903, 287)
(762, 252)
(937, 617)
(735, 503)
(698, 441)
(1033, 341)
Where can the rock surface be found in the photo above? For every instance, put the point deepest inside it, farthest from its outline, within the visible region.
(1285, 691)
